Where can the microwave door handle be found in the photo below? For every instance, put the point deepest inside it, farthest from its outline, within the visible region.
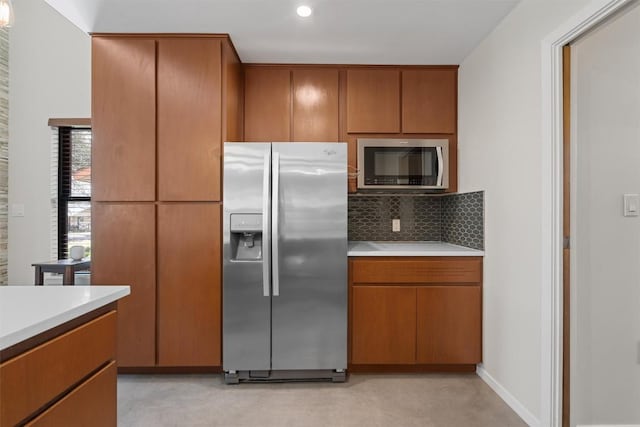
(440, 166)
(266, 224)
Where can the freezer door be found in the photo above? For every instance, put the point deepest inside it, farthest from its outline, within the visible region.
(246, 309)
(309, 211)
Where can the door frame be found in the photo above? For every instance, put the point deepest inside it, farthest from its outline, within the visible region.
(552, 202)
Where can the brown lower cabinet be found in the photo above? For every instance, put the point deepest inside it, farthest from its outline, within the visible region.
(448, 324)
(63, 377)
(123, 247)
(92, 403)
(169, 253)
(429, 313)
(384, 324)
(189, 307)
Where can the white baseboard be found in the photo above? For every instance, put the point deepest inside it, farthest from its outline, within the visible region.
(514, 403)
(608, 425)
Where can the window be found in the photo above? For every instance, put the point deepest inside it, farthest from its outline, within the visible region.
(74, 189)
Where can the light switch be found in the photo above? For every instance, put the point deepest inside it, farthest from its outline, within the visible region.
(17, 209)
(631, 205)
(395, 225)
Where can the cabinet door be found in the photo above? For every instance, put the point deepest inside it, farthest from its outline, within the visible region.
(429, 101)
(189, 313)
(373, 101)
(189, 124)
(232, 82)
(384, 325)
(449, 324)
(123, 252)
(267, 105)
(123, 109)
(315, 105)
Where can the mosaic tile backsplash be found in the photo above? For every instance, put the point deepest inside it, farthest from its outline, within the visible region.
(370, 218)
(463, 219)
(454, 218)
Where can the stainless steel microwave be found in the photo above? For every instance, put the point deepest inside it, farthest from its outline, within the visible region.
(403, 164)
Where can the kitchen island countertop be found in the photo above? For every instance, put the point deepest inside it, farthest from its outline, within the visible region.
(26, 311)
(361, 248)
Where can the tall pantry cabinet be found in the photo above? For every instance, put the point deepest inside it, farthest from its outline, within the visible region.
(161, 108)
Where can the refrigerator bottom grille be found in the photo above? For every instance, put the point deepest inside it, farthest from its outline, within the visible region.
(336, 376)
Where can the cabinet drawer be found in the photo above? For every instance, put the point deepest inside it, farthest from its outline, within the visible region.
(40, 375)
(417, 270)
(92, 403)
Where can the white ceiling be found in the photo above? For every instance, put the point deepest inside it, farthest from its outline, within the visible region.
(338, 32)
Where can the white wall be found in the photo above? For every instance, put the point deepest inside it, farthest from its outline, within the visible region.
(606, 277)
(50, 76)
(500, 152)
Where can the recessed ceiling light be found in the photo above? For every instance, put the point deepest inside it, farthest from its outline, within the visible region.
(304, 11)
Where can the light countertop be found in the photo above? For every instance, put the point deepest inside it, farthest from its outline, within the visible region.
(26, 311)
(410, 249)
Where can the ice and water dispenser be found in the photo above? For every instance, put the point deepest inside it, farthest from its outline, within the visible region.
(246, 237)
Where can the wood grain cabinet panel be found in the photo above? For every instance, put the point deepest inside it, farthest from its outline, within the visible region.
(267, 109)
(34, 378)
(92, 403)
(233, 94)
(417, 270)
(315, 105)
(384, 325)
(429, 101)
(123, 103)
(123, 252)
(373, 101)
(449, 324)
(189, 119)
(189, 275)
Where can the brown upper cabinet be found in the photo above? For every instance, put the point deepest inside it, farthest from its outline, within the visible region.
(429, 100)
(123, 104)
(285, 104)
(189, 119)
(315, 105)
(267, 101)
(188, 88)
(404, 100)
(373, 100)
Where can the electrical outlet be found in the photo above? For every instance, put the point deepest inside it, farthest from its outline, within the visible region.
(395, 225)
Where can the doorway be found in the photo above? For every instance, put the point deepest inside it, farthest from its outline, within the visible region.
(601, 140)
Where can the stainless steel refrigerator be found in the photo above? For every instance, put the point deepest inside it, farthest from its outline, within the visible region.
(284, 261)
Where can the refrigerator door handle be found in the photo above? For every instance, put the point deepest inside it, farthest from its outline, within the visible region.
(266, 223)
(275, 176)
